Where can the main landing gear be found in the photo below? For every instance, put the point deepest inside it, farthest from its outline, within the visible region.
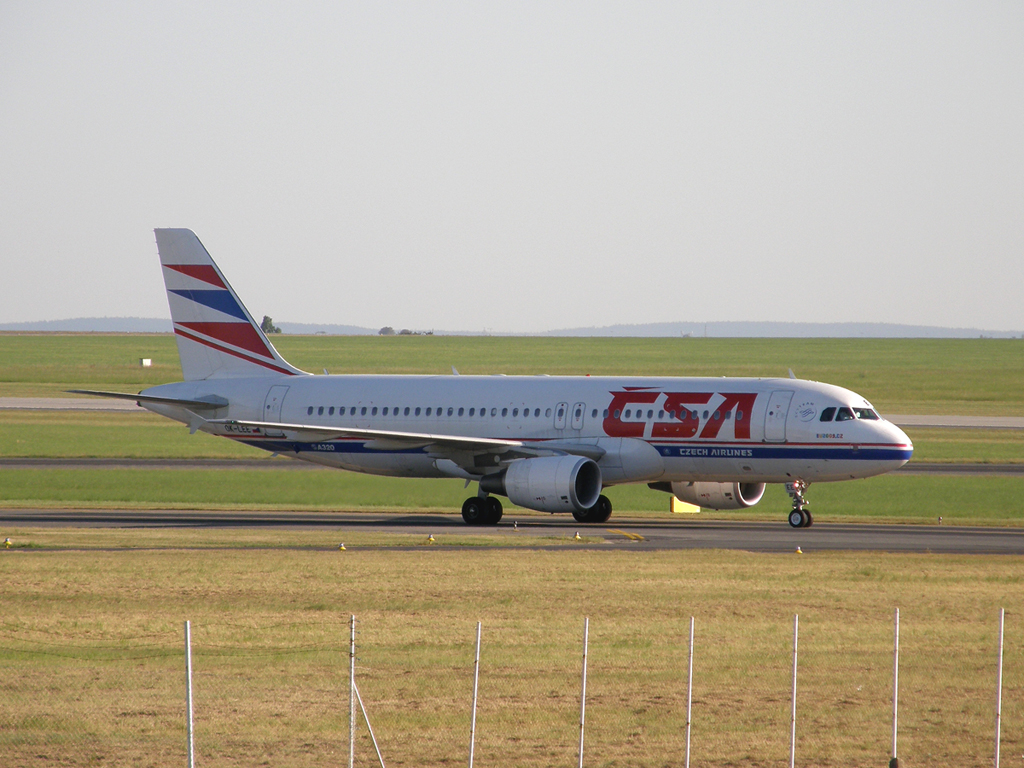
(800, 517)
(599, 513)
(481, 510)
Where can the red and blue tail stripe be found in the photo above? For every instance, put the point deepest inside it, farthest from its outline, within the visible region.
(216, 335)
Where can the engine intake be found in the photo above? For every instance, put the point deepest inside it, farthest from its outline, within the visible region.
(549, 484)
(719, 495)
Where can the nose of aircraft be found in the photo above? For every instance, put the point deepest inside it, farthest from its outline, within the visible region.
(898, 439)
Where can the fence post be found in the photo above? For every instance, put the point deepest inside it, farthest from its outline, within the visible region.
(188, 694)
(476, 686)
(689, 696)
(792, 722)
(999, 685)
(583, 694)
(352, 695)
(894, 763)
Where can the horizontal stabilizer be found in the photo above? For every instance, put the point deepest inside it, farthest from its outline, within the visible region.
(210, 403)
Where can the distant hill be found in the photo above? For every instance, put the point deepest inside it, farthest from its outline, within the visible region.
(712, 330)
(95, 325)
(788, 331)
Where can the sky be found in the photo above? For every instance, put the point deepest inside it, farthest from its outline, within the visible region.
(519, 166)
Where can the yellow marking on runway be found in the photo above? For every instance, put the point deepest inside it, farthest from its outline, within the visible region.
(627, 534)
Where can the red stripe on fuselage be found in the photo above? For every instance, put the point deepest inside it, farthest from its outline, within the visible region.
(203, 272)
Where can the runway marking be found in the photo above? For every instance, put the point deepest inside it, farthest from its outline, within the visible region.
(631, 536)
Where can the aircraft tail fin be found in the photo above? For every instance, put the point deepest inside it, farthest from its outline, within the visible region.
(216, 335)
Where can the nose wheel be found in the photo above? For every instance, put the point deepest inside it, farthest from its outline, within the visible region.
(800, 517)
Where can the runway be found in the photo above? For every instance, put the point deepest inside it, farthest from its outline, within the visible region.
(641, 534)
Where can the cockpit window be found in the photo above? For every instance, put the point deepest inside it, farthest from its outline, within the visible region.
(845, 414)
(866, 413)
(827, 414)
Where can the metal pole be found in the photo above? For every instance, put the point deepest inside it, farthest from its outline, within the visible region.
(999, 685)
(895, 688)
(188, 694)
(792, 725)
(369, 727)
(689, 696)
(476, 688)
(583, 695)
(352, 696)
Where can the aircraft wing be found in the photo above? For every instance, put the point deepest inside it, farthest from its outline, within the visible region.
(459, 448)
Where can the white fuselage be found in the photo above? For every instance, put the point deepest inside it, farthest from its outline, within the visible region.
(646, 429)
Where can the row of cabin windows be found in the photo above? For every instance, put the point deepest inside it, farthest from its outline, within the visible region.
(639, 414)
(848, 414)
(437, 412)
(526, 412)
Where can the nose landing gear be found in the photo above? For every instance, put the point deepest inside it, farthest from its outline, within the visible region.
(800, 517)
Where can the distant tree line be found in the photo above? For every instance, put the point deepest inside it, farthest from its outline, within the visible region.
(387, 330)
(267, 326)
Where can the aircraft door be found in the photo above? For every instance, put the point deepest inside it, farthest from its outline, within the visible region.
(560, 413)
(577, 415)
(775, 416)
(272, 405)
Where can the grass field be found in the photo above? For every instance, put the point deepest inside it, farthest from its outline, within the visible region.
(947, 376)
(91, 667)
(910, 376)
(90, 641)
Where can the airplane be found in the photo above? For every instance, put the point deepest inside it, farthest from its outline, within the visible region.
(547, 443)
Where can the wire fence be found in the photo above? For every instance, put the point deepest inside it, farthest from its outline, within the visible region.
(280, 695)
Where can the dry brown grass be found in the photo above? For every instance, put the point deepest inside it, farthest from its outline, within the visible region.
(92, 667)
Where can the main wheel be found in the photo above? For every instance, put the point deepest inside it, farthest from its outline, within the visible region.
(796, 518)
(810, 519)
(473, 510)
(600, 512)
(492, 511)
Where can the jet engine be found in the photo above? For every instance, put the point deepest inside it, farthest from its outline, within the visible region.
(548, 484)
(719, 495)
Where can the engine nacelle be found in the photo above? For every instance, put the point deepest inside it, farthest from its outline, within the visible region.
(549, 484)
(719, 495)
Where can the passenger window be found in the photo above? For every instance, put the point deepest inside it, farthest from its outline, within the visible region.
(718, 415)
(330, 411)
(341, 410)
(547, 413)
(494, 411)
(406, 410)
(628, 412)
(827, 414)
(428, 411)
(593, 414)
(309, 411)
(739, 415)
(844, 414)
(472, 411)
(450, 410)
(617, 413)
(536, 413)
(515, 412)
(320, 411)
(461, 411)
(650, 414)
(417, 411)
(605, 413)
(364, 411)
(385, 413)
(504, 412)
(374, 411)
